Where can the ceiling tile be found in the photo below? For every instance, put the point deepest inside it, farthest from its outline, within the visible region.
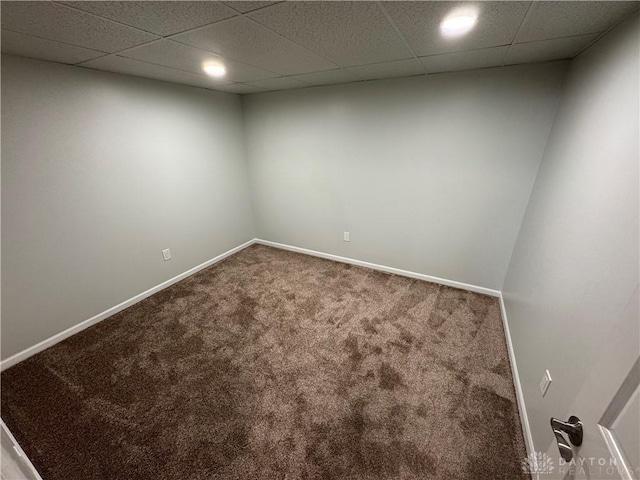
(451, 62)
(244, 7)
(67, 25)
(128, 66)
(347, 33)
(419, 23)
(327, 77)
(545, 50)
(281, 83)
(190, 59)
(563, 19)
(27, 46)
(239, 88)
(398, 68)
(246, 41)
(163, 18)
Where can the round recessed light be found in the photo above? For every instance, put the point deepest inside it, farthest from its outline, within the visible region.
(458, 25)
(214, 69)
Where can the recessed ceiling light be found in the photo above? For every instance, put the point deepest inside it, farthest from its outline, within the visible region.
(457, 25)
(214, 69)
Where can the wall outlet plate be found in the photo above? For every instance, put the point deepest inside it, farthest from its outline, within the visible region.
(545, 382)
(346, 237)
(166, 254)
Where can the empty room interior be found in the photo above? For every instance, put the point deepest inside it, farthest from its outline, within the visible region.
(320, 240)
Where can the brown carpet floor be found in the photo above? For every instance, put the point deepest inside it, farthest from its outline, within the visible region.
(276, 365)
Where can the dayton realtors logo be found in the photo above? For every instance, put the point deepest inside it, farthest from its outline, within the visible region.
(537, 462)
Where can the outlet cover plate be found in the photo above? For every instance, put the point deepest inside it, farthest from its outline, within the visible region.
(545, 382)
(166, 254)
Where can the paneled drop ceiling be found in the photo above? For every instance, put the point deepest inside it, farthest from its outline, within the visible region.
(282, 45)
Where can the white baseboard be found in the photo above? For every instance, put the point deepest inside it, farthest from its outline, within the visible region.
(24, 354)
(383, 268)
(33, 473)
(524, 419)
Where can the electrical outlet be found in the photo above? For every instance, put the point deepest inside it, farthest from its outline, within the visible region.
(166, 254)
(346, 236)
(545, 382)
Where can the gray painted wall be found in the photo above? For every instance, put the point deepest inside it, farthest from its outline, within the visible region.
(575, 265)
(429, 174)
(100, 172)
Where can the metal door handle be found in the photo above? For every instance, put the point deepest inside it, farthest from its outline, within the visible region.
(566, 452)
(573, 429)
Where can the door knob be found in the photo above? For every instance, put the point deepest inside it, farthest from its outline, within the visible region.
(573, 429)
